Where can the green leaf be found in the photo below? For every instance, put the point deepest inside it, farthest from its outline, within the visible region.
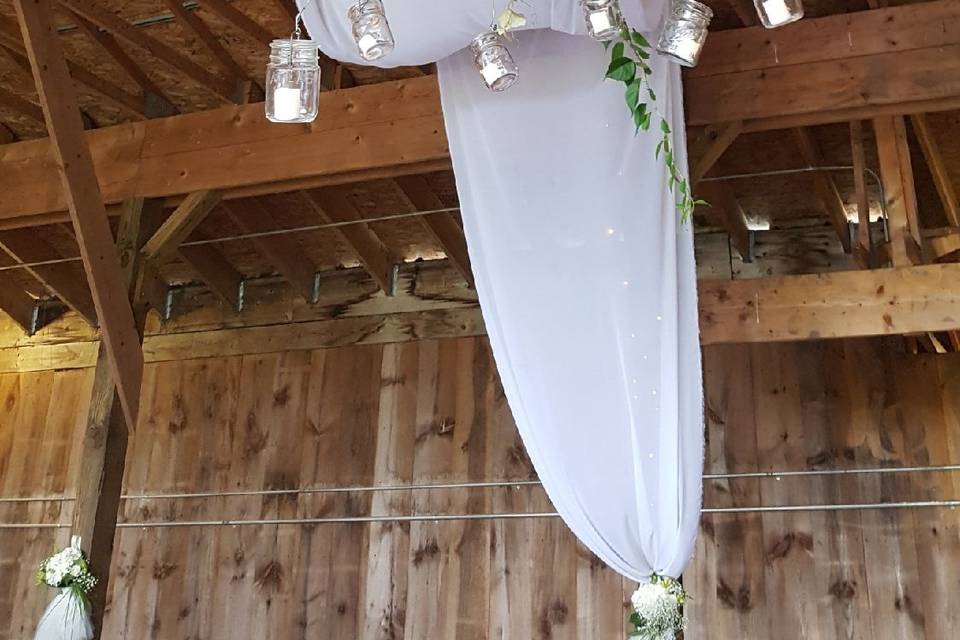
(652, 95)
(702, 203)
(617, 51)
(682, 186)
(637, 38)
(622, 69)
(664, 126)
(659, 150)
(636, 619)
(645, 125)
(606, 44)
(633, 94)
(643, 55)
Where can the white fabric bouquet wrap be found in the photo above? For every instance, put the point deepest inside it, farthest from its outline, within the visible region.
(67, 617)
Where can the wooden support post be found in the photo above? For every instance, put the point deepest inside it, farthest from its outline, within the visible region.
(85, 203)
(443, 226)
(104, 443)
(901, 199)
(863, 250)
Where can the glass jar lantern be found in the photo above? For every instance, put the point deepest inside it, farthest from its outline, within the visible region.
(293, 81)
(371, 31)
(494, 62)
(684, 31)
(776, 13)
(603, 18)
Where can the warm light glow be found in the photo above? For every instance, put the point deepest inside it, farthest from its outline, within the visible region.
(777, 12)
(600, 21)
(286, 103)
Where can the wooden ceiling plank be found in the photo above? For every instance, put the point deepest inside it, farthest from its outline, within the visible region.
(125, 31)
(938, 168)
(863, 251)
(163, 245)
(824, 185)
(707, 148)
(282, 250)
(123, 59)
(240, 20)
(17, 304)
(130, 103)
(64, 280)
(332, 205)
(215, 271)
(444, 226)
(7, 134)
(209, 39)
(87, 210)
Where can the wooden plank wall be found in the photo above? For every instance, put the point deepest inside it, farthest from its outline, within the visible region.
(433, 411)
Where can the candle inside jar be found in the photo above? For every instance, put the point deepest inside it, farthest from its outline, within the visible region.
(366, 44)
(686, 49)
(286, 103)
(492, 73)
(777, 12)
(600, 21)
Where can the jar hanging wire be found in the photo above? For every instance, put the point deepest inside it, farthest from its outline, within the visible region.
(493, 61)
(603, 17)
(293, 78)
(371, 30)
(776, 13)
(684, 31)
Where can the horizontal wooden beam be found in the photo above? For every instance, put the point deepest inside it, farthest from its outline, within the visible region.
(367, 132)
(866, 63)
(432, 304)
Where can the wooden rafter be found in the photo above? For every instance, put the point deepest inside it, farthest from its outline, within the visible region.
(133, 104)
(332, 205)
(938, 168)
(240, 20)
(725, 208)
(128, 33)
(164, 243)
(709, 146)
(824, 185)
(6, 134)
(79, 181)
(281, 250)
(151, 90)
(18, 304)
(64, 280)
(210, 40)
(863, 250)
(215, 271)
(18, 104)
(443, 226)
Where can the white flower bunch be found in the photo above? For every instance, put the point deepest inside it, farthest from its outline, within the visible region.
(658, 609)
(66, 569)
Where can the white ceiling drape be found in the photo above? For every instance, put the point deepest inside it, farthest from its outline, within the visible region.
(586, 278)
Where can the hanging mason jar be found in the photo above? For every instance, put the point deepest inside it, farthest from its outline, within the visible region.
(494, 62)
(776, 13)
(603, 18)
(371, 31)
(684, 31)
(293, 81)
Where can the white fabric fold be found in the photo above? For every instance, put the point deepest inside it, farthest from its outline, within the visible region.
(586, 277)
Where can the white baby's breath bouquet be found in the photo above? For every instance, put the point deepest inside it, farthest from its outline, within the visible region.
(68, 616)
(658, 609)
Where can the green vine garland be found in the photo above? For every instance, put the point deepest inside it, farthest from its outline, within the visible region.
(634, 72)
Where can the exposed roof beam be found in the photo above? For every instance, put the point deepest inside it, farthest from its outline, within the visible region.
(18, 304)
(443, 226)
(725, 208)
(6, 134)
(136, 37)
(863, 250)
(215, 271)
(824, 185)
(64, 280)
(87, 210)
(282, 251)
(709, 146)
(938, 168)
(150, 89)
(164, 243)
(10, 40)
(21, 105)
(332, 205)
(239, 19)
(210, 40)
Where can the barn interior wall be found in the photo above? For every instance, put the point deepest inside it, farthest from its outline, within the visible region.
(432, 412)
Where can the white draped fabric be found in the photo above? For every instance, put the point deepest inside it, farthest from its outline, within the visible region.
(585, 275)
